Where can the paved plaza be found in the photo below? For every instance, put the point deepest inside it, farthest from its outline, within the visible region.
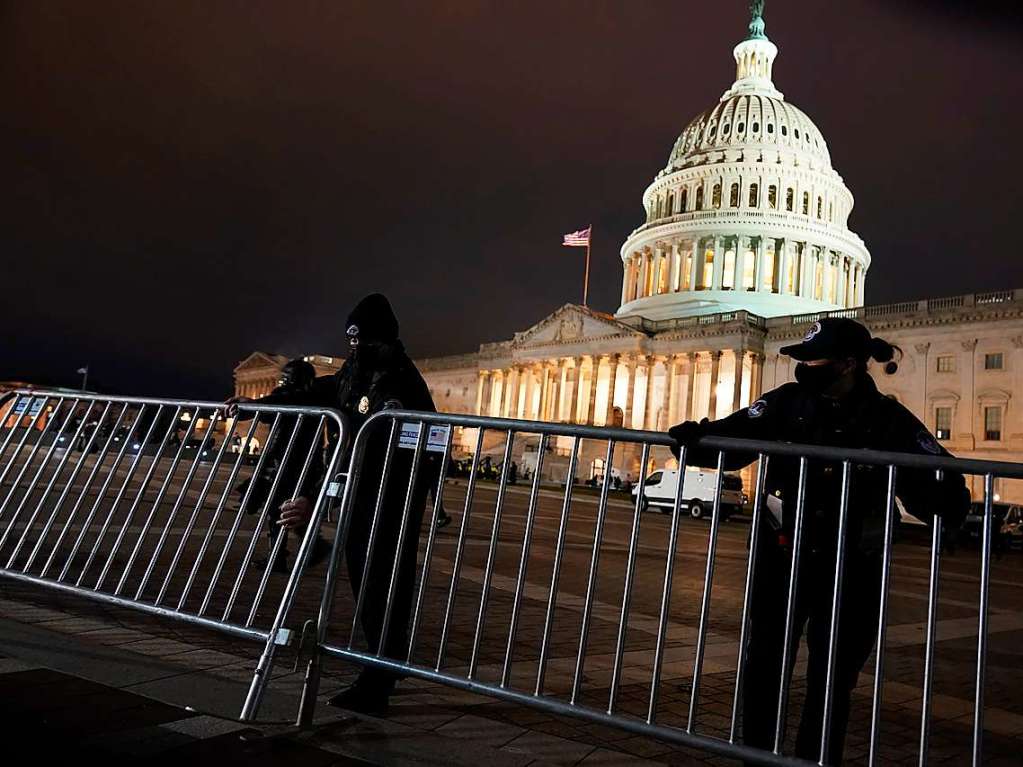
(46, 633)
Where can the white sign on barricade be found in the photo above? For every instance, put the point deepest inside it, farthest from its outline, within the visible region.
(436, 440)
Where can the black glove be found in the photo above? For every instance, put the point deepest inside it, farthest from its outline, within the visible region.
(685, 434)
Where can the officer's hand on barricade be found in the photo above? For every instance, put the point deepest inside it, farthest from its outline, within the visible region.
(295, 513)
(232, 403)
(685, 434)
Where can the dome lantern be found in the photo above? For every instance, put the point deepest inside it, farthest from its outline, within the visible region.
(754, 60)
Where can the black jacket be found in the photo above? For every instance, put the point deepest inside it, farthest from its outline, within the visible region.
(864, 419)
(361, 388)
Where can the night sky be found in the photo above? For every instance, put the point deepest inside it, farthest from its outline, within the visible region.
(186, 182)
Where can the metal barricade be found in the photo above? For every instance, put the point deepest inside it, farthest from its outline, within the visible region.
(159, 505)
(398, 454)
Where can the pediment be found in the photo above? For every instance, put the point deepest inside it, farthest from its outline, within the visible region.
(260, 361)
(572, 324)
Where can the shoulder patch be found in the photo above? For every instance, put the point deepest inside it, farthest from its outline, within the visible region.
(813, 330)
(757, 409)
(928, 443)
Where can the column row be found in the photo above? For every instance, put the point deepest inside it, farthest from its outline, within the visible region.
(635, 390)
(762, 264)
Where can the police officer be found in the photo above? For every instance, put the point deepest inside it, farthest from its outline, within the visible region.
(833, 402)
(294, 387)
(378, 374)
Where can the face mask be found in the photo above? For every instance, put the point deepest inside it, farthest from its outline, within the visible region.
(817, 378)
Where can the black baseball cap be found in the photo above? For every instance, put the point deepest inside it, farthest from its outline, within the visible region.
(831, 338)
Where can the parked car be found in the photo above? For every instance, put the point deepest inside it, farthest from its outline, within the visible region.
(973, 525)
(1012, 528)
(699, 489)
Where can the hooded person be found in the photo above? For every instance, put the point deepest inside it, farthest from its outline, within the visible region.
(377, 374)
(833, 402)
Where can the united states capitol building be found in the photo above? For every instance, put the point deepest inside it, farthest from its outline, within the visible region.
(746, 241)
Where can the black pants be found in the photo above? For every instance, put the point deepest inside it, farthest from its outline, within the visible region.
(375, 601)
(857, 630)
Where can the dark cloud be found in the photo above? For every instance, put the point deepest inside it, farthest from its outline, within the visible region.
(186, 182)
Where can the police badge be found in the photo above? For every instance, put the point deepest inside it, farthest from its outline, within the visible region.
(757, 408)
(928, 443)
(364, 405)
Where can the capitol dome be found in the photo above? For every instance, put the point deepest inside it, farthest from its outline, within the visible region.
(748, 213)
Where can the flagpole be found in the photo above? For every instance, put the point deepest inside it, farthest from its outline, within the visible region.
(586, 275)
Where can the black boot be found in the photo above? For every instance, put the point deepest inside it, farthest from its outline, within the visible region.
(363, 697)
(321, 551)
(280, 562)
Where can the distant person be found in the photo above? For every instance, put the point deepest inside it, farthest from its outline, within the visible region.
(513, 473)
(833, 402)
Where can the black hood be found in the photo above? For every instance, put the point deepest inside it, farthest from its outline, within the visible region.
(372, 319)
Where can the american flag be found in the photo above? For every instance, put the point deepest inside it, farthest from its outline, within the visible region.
(580, 239)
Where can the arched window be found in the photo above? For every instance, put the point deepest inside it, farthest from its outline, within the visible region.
(806, 203)
(831, 211)
(820, 207)
(772, 197)
(789, 198)
(754, 195)
(670, 207)
(699, 197)
(683, 200)
(733, 196)
(716, 196)
(657, 208)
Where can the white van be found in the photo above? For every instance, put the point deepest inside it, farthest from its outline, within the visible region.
(698, 492)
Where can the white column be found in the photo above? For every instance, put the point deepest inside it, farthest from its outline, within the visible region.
(648, 405)
(525, 390)
(506, 394)
(804, 269)
(630, 391)
(669, 372)
(696, 272)
(484, 376)
(786, 263)
(740, 263)
(653, 269)
(594, 370)
(715, 374)
(739, 357)
(719, 264)
(563, 413)
(758, 274)
(611, 381)
(673, 273)
(756, 384)
(694, 364)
